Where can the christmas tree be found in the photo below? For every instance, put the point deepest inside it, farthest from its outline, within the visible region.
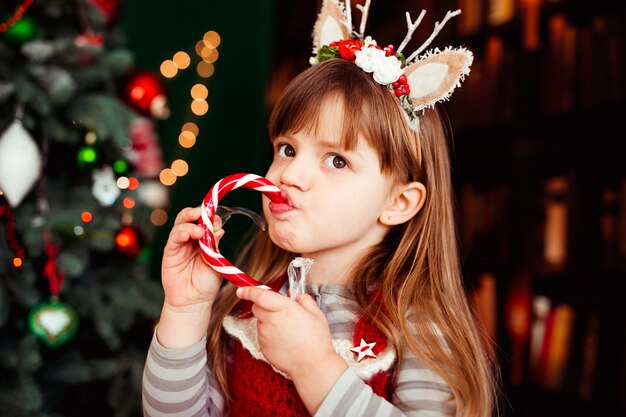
(79, 201)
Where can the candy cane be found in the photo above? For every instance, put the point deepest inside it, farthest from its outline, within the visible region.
(207, 243)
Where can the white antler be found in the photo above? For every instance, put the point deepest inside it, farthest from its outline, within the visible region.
(348, 16)
(438, 27)
(411, 26)
(364, 12)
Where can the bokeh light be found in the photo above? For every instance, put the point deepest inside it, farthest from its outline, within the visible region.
(199, 107)
(180, 167)
(186, 139)
(182, 59)
(167, 177)
(169, 69)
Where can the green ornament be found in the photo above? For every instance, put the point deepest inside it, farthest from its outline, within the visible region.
(120, 166)
(24, 30)
(145, 254)
(87, 156)
(54, 322)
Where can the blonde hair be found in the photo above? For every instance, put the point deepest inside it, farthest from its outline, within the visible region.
(416, 265)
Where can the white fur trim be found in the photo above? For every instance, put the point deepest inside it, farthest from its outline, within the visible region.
(245, 331)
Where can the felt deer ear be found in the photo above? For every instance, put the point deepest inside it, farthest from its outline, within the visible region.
(434, 77)
(330, 25)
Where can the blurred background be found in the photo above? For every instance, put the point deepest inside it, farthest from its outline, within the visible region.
(117, 114)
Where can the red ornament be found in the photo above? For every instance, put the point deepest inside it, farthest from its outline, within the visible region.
(129, 240)
(109, 8)
(51, 270)
(146, 93)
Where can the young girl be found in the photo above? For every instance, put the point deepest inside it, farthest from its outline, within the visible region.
(384, 328)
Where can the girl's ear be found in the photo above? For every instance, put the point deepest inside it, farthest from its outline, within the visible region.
(329, 26)
(405, 203)
(436, 76)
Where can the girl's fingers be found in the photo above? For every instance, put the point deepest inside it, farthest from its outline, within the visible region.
(184, 232)
(186, 215)
(263, 298)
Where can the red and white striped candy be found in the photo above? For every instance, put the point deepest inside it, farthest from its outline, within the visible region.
(207, 244)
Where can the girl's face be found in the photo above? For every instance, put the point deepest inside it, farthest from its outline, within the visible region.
(335, 197)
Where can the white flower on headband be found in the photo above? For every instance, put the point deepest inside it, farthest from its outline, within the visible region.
(385, 69)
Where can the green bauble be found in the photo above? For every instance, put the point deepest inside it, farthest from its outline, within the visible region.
(23, 31)
(54, 322)
(87, 156)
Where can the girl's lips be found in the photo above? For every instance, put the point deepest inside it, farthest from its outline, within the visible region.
(280, 208)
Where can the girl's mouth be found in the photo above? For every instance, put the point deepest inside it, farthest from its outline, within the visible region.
(278, 209)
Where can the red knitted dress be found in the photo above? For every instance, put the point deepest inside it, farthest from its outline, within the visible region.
(258, 391)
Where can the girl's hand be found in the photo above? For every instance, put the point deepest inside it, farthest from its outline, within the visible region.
(295, 338)
(187, 279)
(189, 283)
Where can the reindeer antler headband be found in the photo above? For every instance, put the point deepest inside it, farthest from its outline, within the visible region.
(418, 81)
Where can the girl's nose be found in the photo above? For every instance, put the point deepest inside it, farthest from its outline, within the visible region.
(296, 174)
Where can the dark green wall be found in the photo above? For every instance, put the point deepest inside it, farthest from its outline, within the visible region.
(233, 133)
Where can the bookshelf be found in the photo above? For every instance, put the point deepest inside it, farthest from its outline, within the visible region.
(541, 187)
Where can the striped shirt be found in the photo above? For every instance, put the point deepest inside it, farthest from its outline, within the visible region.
(178, 383)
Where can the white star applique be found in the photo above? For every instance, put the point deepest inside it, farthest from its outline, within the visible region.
(364, 349)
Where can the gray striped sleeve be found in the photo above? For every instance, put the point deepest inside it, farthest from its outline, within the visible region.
(419, 393)
(177, 383)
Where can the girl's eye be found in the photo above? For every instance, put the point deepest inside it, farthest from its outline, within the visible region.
(335, 161)
(286, 150)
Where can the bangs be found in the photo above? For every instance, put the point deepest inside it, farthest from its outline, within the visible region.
(299, 109)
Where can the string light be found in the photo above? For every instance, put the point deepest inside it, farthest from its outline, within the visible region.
(133, 183)
(86, 217)
(128, 202)
(16, 17)
(191, 127)
(199, 91)
(182, 59)
(158, 217)
(206, 50)
(180, 167)
(123, 183)
(212, 38)
(167, 177)
(187, 139)
(199, 107)
(169, 69)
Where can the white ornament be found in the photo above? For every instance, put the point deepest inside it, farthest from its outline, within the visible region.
(364, 349)
(153, 194)
(20, 163)
(104, 187)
